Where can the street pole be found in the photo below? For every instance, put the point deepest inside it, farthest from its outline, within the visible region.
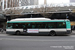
(45, 5)
(19, 3)
(45, 2)
(2, 4)
(67, 16)
(6, 3)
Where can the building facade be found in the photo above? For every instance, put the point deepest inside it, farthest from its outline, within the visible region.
(17, 3)
(28, 2)
(33, 2)
(0, 5)
(59, 8)
(2, 17)
(72, 1)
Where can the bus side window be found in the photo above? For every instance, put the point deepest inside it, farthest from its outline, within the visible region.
(33, 25)
(16, 26)
(29, 25)
(43, 25)
(10, 26)
(38, 25)
(52, 25)
(61, 25)
(46, 26)
(23, 26)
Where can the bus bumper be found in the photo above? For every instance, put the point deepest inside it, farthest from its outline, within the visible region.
(68, 31)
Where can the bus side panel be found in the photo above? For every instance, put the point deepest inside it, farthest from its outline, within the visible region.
(13, 31)
(21, 30)
(10, 31)
(68, 27)
(58, 31)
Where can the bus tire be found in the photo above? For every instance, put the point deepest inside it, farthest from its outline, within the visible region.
(17, 32)
(52, 33)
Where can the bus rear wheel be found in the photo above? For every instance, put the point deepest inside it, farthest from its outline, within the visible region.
(52, 33)
(18, 33)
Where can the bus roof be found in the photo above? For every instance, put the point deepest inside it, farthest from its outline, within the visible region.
(29, 19)
(21, 20)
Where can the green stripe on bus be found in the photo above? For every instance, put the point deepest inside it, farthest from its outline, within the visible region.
(32, 21)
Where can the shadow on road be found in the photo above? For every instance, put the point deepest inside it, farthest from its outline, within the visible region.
(35, 35)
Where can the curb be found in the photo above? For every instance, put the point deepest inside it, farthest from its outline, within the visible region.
(2, 32)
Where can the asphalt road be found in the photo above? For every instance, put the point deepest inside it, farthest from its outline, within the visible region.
(20, 42)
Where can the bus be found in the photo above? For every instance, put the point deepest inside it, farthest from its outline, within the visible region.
(42, 26)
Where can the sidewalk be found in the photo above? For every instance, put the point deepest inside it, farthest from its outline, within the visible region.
(73, 32)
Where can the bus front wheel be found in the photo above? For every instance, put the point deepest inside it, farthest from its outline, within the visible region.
(52, 33)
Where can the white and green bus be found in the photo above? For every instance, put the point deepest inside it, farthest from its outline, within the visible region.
(42, 26)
